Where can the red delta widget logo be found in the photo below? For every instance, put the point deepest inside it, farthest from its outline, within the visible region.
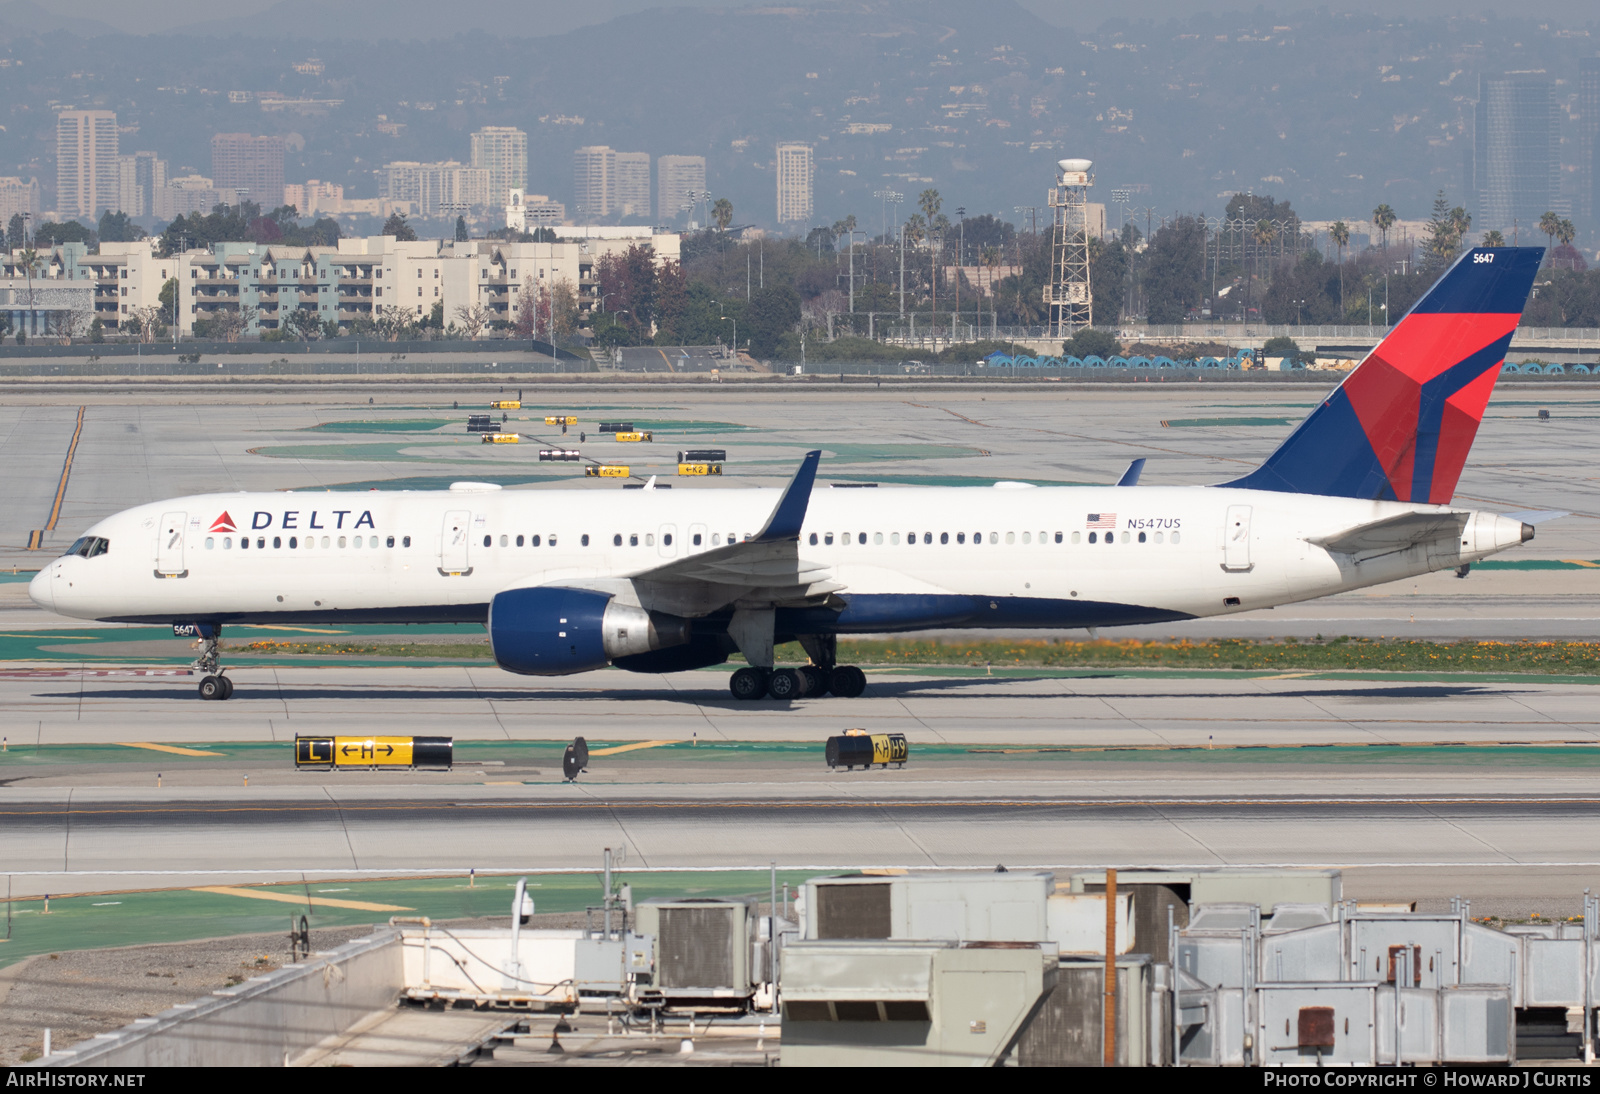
(224, 523)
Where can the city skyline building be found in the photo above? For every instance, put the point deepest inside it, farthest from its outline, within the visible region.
(593, 168)
(447, 188)
(503, 152)
(240, 161)
(630, 188)
(677, 178)
(1516, 165)
(18, 195)
(139, 176)
(795, 182)
(1589, 140)
(87, 175)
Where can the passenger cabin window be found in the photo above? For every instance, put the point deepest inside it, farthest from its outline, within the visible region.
(584, 540)
(406, 542)
(813, 539)
(698, 537)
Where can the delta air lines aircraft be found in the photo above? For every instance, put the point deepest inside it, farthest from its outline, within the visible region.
(660, 581)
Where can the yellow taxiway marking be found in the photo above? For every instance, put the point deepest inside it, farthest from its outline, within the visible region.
(52, 637)
(619, 749)
(174, 749)
(1581, 562)
(298, 898)
(504, 782)
(1286, 676)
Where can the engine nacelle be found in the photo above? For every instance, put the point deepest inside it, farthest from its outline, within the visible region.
(552, 631)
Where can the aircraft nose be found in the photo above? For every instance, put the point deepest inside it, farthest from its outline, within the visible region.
(41, 589)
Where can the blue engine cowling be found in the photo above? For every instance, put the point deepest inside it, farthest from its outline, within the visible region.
(553, 631)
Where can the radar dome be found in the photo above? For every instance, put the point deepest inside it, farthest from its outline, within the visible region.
(1075, 165)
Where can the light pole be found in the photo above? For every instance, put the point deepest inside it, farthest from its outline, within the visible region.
(735, 323)
(889, 197)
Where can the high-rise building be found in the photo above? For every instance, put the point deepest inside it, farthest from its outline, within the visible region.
(794, 182)
(678, 177)
(593, 168)
(439, 189)
(503, 152)
(86, 162)
(139, 176)
(630, 189)
(18, 196)
(254, 165)
(1589, 140)
(1516, 166)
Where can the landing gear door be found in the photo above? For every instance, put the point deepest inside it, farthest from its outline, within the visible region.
(1236, 540)
(169, 545)
(454, 539)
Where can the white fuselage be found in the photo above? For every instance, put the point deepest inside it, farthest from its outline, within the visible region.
(1157, 552)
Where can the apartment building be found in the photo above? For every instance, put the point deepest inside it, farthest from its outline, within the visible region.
(680, 180)
(503, 152)
(18, 196)
(631, 185)
(249, 167)
(187, 195)
(525, 211)
(86, 162)
(139, 176)
(446, 188)
(314, 196)
(795, 181)
(354, 281)
(593, 182)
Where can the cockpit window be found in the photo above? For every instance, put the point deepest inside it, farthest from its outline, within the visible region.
(89, 547)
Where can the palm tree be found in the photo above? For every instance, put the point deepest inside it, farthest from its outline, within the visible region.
(1565, 232)
(722, 213)
(1383, 218)
(1340, 234)
(29, 257)
(1460, 224)
(1493, 238)
(1549, 224)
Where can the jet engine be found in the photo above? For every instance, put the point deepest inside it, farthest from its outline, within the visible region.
(553, 631)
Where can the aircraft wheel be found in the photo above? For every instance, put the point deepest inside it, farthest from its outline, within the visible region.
(213, 687)
(847, 682)
(785, 684)
(816, 680)
(227, 686)
(748, 684)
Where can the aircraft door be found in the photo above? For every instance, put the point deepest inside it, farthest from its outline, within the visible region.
(698, 539)
(667, 540)
(1236, 540)
(454, 539)
(169, 545)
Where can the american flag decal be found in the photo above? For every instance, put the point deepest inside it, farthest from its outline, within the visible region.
(1102, 520)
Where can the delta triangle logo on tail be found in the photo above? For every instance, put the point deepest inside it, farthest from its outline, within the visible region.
(224, 523)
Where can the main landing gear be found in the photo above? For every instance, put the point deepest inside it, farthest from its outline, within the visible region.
(751, 683)
(213, 685)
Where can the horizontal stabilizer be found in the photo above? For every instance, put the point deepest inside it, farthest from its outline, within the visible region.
(1395, 533)
(1536, 516)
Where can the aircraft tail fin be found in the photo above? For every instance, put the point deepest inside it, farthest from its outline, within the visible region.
(1399, 427)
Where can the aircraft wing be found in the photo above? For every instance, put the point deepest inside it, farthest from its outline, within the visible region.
(767, 566)
(1395, 533)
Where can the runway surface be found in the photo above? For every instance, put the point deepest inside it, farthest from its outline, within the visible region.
(99, 841)
(1418, 786)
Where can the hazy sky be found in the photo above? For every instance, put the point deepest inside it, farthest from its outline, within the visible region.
(562, 15)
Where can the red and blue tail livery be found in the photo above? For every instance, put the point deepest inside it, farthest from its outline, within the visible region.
(1400, 426)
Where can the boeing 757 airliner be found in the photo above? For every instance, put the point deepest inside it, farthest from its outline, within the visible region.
(660, 581)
